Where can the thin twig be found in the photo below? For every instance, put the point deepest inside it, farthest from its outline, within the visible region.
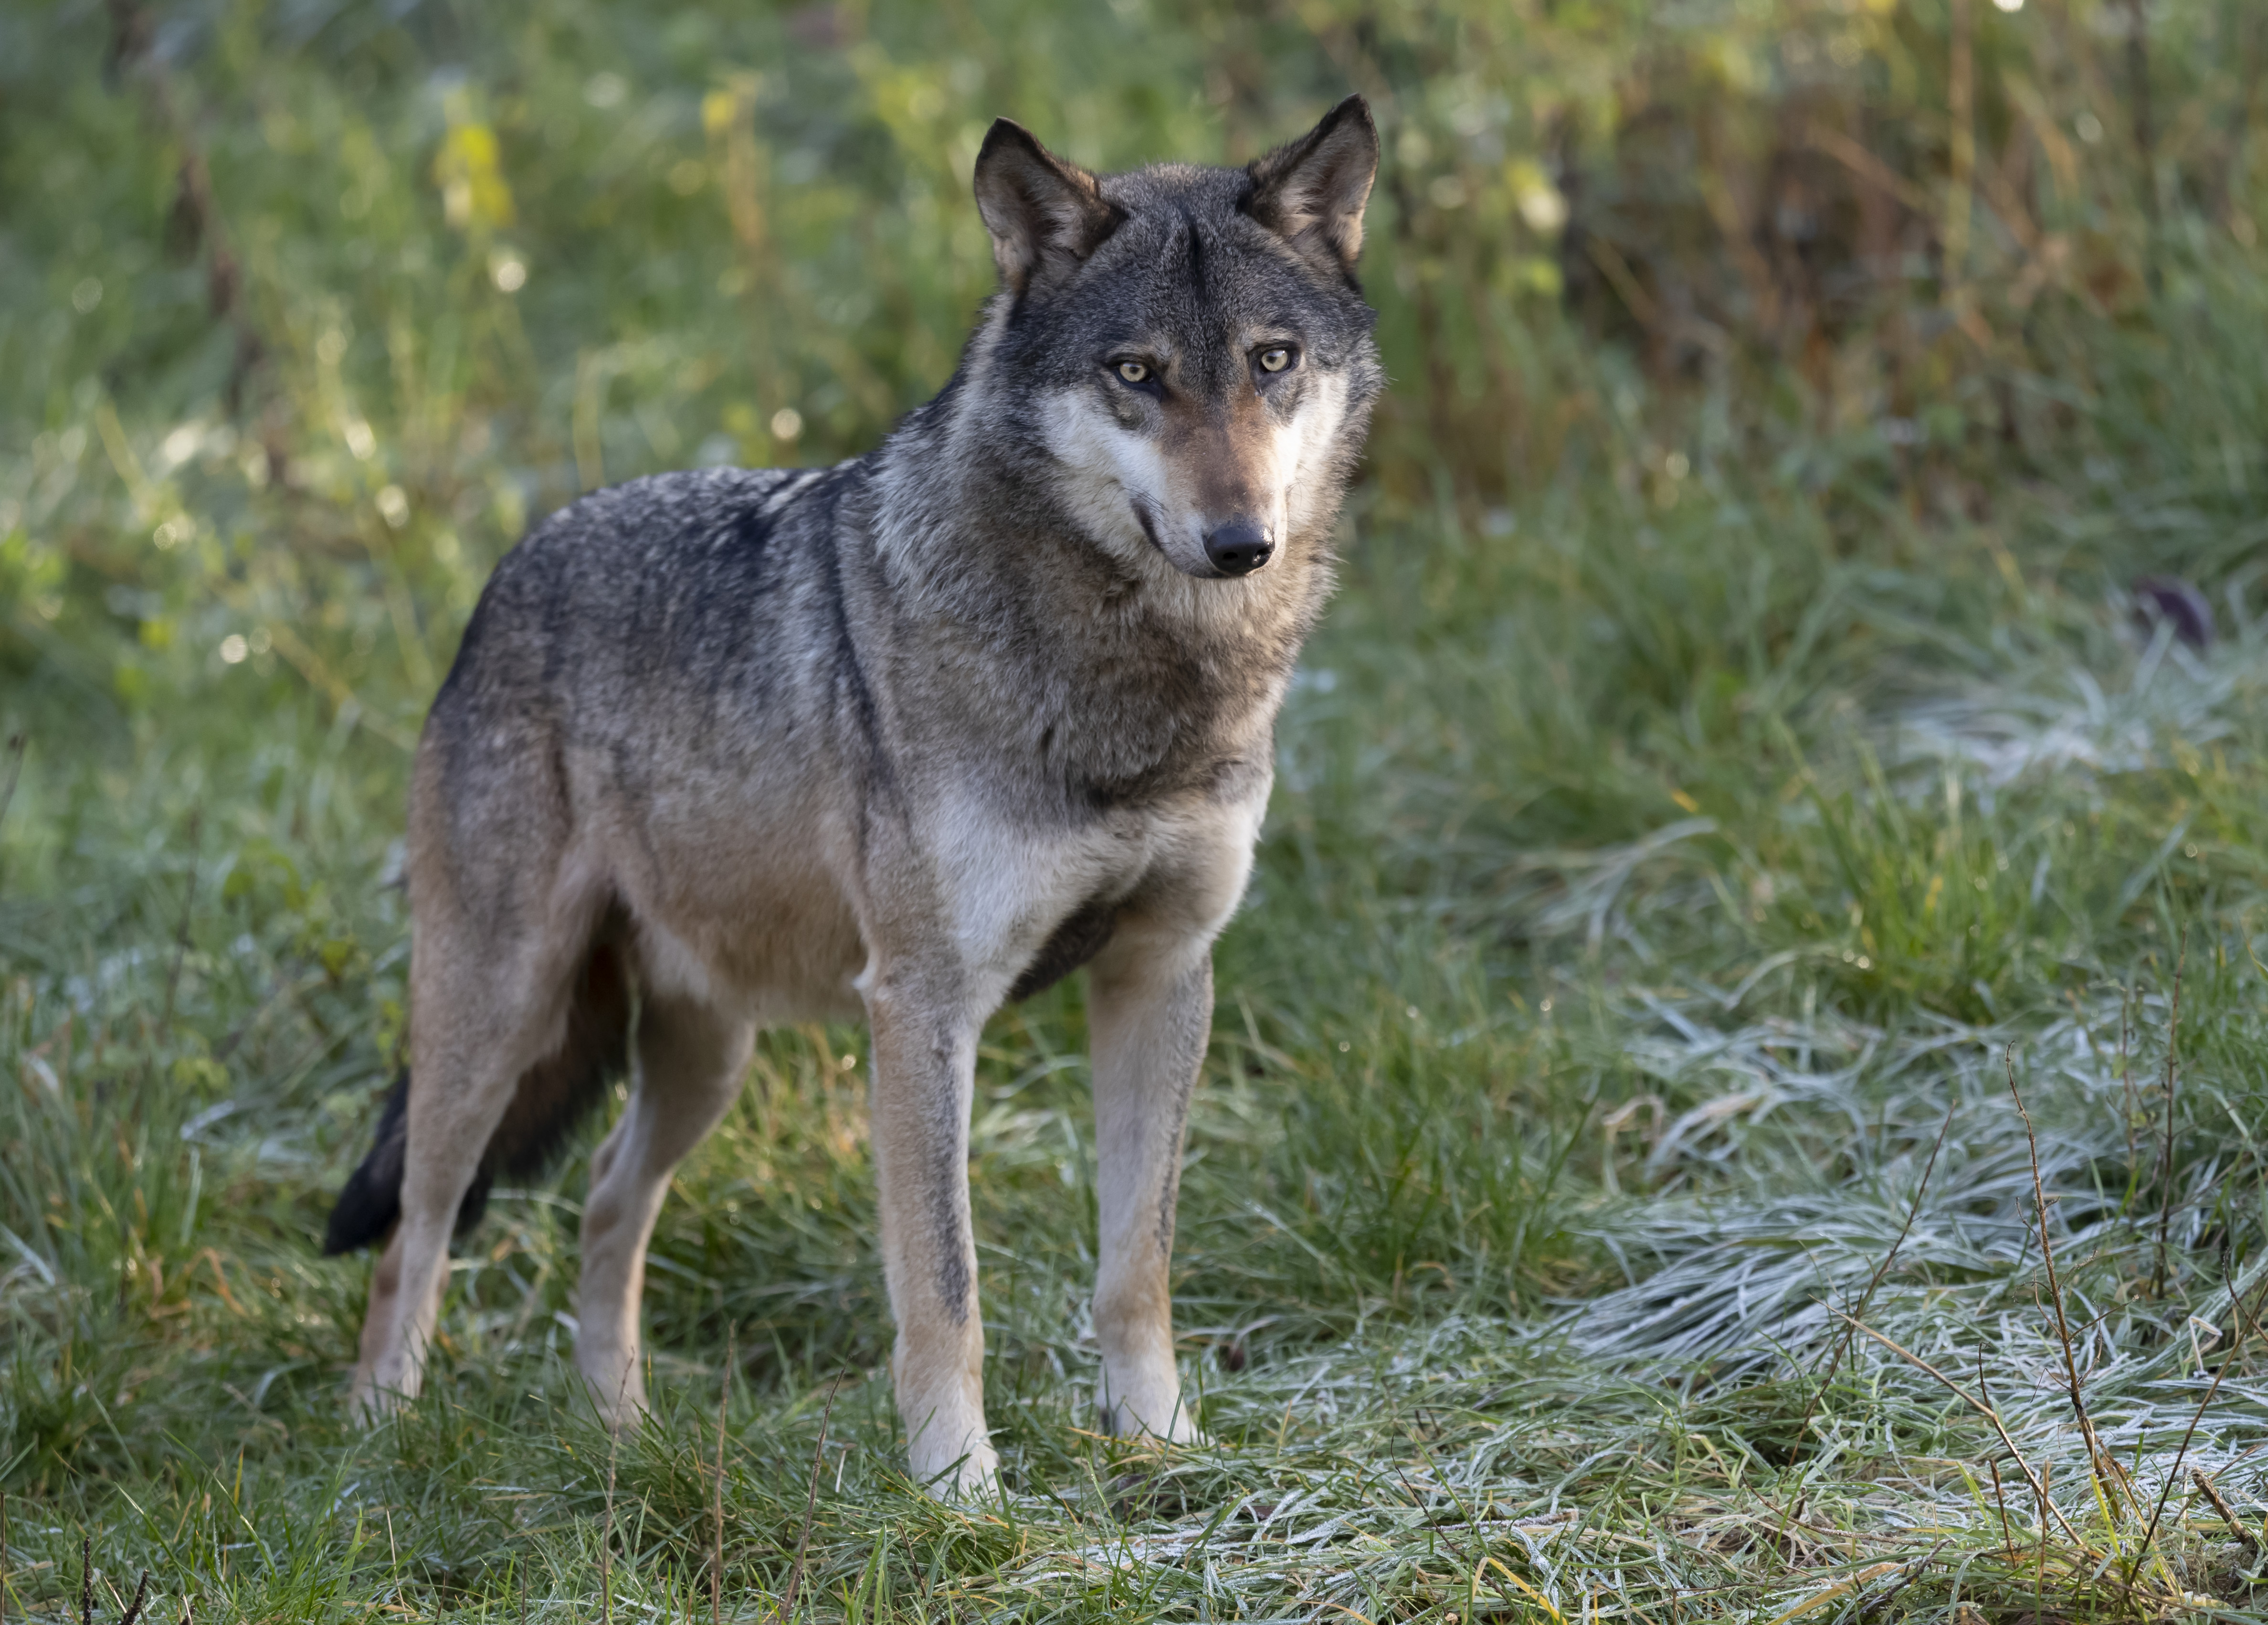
(2038, 1487)
(1984, 1392)
(2097, 1457)
(717, 1548)
(2228, 1512)
(2244, 1323)
(1913, 1571)
(2040, 1575)
(86, 1580)
(606, 1521)
(2126, 1082)
(140, 1595)
(2166, 1160)
(810, 1505)
(1867, 1298)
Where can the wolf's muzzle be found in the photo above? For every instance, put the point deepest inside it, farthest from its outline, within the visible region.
(1238, 549)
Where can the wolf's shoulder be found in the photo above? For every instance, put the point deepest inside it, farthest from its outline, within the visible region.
(699, 553)
(669, 511)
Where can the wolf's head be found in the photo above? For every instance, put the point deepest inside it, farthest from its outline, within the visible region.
(1186, 349)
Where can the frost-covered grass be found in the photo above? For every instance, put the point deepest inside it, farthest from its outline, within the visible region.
(1530, 1203)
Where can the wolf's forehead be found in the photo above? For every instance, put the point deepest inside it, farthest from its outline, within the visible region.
(1199, 279)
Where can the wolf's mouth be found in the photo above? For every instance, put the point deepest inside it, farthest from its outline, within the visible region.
(1149, 526)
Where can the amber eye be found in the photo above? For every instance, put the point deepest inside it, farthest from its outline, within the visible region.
(1276, 359)
(1134, 372)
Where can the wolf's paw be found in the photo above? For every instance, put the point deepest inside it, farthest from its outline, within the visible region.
(368, 1405)
(1129, 1419)
(975, 1476)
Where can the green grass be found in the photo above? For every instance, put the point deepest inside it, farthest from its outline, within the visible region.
(1731, 756)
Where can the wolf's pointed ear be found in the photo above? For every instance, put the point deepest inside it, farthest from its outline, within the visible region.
(1312, 190)
(1045, 215)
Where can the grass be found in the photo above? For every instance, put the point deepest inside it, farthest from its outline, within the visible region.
(1731, 779)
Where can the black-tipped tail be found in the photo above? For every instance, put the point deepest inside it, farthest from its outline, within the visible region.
(553, 1097)
(372, 1200)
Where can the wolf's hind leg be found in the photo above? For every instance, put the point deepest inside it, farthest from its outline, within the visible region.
(1149, 1016)
(494, 1025)
(458, 1094)
(691, 1062)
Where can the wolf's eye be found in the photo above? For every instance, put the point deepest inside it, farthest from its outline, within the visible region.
(1134, 372)
(1275, 358)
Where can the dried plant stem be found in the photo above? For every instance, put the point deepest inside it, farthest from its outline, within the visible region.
(2040, 1575)
(2166, 1158)
(2212, 1492)
(2127, 1083)
(140, 1595)
(810, 1506)
(716, 1528)
(2244, 1322)
(2106, 1470)
(1867, 1298)
(2039, 1484)
(607, 1519)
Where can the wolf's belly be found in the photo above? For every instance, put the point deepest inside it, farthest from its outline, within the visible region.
(766, 951)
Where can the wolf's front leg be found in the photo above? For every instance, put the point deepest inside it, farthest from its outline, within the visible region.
(924, 1065)
(1150, 1014)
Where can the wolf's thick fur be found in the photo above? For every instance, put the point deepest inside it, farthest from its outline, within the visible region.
(907, 737)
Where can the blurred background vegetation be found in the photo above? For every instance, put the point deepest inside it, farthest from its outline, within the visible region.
(312, 305)
(1752, 704)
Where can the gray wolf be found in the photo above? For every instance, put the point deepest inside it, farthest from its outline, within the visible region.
(908, 737)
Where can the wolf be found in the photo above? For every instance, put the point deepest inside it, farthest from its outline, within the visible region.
(908, 737)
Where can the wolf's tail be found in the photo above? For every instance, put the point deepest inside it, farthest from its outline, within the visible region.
(552, 1097)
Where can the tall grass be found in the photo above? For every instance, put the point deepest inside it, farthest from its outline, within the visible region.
(1737, 728)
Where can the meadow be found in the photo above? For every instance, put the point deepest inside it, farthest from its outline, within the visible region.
(1740, 1087)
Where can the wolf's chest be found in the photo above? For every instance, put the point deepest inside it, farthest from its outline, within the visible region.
(1027, 906)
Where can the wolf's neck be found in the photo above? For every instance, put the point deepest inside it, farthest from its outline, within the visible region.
(1110, 680)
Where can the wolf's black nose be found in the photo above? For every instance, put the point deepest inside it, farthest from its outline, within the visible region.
(1238, 549)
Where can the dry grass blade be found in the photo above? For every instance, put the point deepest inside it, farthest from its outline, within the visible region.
(2106, 1470)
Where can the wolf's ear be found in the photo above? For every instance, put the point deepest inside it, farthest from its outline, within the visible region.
(1312, 190)
(1045, 215)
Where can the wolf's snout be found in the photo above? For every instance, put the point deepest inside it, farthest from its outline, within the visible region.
(1238, 549)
